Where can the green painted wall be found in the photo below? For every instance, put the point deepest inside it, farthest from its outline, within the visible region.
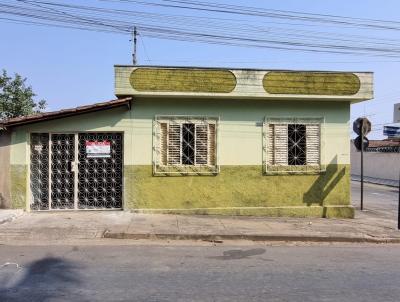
(240, 126)
(239, 129)
(240, 188)
(117, 119)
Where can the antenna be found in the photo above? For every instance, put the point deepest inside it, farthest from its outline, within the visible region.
(134, 60)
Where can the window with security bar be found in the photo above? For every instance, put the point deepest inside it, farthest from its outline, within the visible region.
(293, 145)
(185, 145)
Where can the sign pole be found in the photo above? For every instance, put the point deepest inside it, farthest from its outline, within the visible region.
(361, 126)
(398, 214)
(362, 168)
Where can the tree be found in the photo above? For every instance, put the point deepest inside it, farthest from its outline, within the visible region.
(16, 98)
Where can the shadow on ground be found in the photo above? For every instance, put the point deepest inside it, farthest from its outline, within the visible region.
(49, 278)
(239, 254)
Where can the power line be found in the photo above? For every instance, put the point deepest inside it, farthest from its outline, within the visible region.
(270, 13)
(243, 35)
(144, 48)
(103, 24)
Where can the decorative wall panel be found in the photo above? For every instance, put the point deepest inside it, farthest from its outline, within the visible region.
(311, 83)
(183, 80)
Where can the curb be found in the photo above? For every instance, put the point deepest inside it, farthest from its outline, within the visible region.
(379, 182)
(221, 237)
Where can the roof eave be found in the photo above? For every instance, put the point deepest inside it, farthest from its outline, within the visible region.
(67, 113)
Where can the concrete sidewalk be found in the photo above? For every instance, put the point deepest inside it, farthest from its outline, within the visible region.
(67, 226)
(361, 229)
(9, 215)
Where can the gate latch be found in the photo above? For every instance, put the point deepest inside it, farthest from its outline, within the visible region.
(72, 166)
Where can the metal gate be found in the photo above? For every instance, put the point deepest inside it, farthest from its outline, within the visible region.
(76, 171)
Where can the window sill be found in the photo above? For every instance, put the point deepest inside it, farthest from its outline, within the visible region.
(185, 170)
(295, 170)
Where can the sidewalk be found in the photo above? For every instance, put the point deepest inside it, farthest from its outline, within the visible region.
(362, 229)
(66, 226)
(9, 215)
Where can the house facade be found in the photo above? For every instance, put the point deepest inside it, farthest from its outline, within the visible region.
(193, 141)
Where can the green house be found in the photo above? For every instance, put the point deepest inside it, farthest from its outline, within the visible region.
(192, 141)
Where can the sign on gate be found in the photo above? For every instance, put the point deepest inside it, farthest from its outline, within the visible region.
(38, 148)
(98, 149)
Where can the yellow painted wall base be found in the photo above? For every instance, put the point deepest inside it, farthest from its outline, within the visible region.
(241, 190)
(19, 175)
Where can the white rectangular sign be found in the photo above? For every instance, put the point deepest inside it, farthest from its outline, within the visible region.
(98, 149)
(39, 148)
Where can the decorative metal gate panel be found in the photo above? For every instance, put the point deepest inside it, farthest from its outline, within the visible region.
(62, 176)
(39, 171)
(76, 171)
(100, 176)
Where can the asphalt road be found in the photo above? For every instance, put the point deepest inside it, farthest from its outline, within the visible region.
(200, 272)
(383, 200)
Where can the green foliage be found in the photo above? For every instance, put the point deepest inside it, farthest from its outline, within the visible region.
(16, 98)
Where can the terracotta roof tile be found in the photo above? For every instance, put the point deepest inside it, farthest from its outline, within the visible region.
(383, 143)
(38, 117)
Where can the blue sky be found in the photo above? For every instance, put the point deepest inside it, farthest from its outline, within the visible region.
(71, 67)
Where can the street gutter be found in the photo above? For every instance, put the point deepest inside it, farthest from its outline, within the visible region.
(250, 237)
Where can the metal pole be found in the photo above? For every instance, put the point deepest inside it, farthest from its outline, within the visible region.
(398, 214)
(134, 60)
(362, 167)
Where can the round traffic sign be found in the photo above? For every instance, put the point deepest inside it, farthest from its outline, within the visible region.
(362, 126)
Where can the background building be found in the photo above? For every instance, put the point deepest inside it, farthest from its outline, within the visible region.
(381, 162)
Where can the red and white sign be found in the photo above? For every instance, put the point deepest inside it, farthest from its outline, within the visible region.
(98, 149)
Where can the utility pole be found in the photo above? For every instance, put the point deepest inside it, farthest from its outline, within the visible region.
(134, 38)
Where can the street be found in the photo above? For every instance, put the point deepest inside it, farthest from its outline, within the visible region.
(381, 199)
(170, 272)
(151, 270)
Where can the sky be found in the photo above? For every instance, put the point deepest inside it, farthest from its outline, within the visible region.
(69, 67)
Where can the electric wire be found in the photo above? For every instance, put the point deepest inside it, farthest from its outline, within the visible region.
(215, 31)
